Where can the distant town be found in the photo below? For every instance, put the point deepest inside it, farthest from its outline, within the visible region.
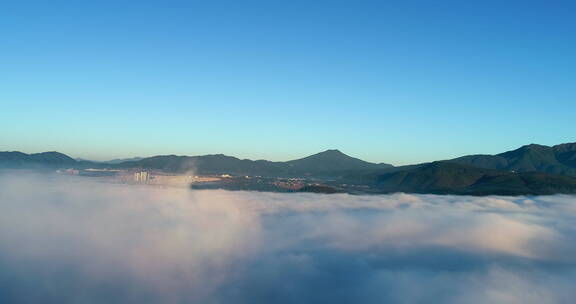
(221, 181)
(140, 177)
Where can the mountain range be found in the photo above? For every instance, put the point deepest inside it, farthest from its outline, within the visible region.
(19, 160)
(559, 159)
(530, 169)
(329, 163)
(454, 178)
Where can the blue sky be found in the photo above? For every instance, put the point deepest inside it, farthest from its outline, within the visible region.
(386, 81)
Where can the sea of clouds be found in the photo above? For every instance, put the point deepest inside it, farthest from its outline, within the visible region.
(77, 240)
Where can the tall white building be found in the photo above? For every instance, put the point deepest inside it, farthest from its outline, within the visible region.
(141, 176)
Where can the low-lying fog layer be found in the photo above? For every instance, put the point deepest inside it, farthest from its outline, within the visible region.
(73, 240)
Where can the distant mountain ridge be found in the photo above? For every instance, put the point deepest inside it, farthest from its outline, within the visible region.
(559, 159)
(17, 160)
(330, 163)
(122, 160)
(327, 163)
(530, 169)
(453, 178)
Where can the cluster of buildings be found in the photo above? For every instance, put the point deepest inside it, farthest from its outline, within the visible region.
(141, 177)
(290, 183)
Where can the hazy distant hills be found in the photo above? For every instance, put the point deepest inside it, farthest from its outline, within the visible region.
(205, 164)
(330, 163)
(19, 160)
(530, 169)
(122, 160)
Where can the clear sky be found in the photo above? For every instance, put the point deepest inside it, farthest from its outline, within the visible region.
(386, 81)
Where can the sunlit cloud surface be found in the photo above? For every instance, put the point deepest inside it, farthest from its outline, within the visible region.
(74, 240)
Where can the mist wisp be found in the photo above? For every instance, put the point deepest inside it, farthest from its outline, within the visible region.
(74, 240)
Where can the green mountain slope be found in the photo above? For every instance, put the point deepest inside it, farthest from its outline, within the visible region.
(560, 159)
(331, 162)
(566, 154)
(18, 160)
(206, 164)
(452, 178)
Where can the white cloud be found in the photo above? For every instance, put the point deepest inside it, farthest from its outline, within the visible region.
(77, 240)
